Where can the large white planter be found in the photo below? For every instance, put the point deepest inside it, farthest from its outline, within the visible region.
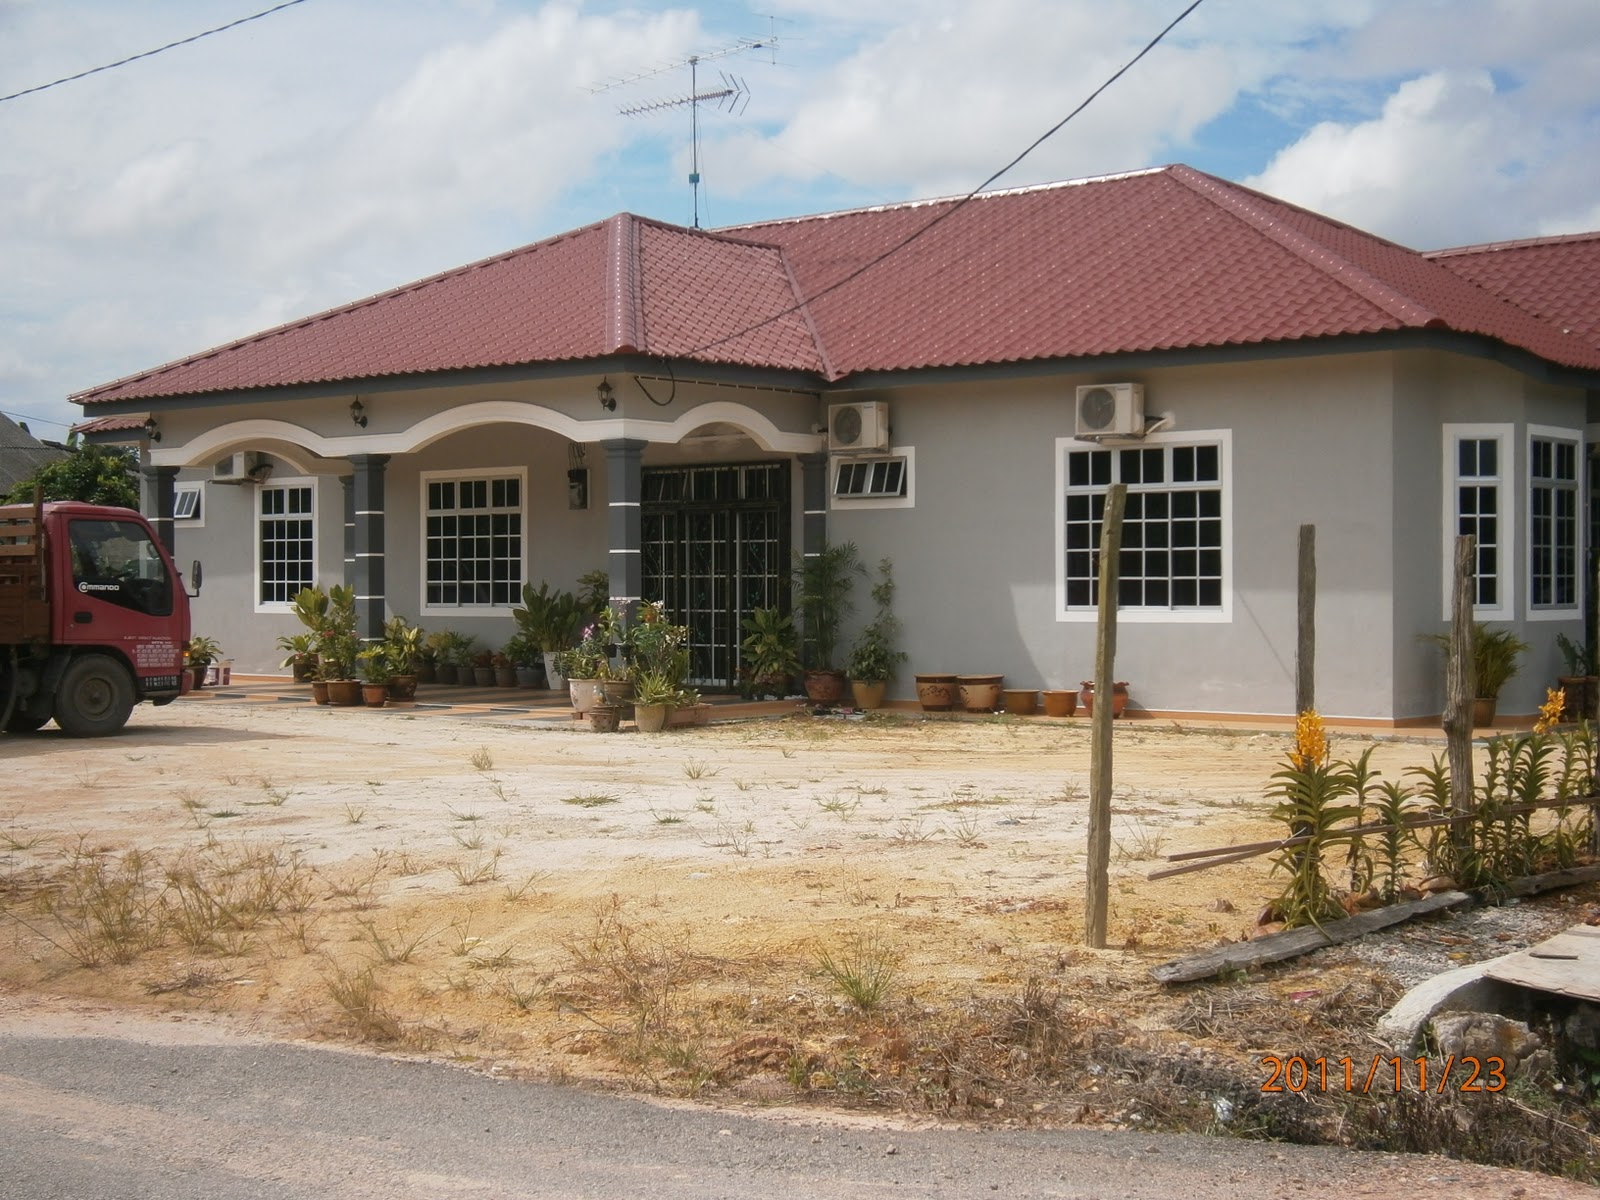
(586, 693)
(554, 679)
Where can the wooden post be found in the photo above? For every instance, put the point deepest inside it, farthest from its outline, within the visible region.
(1097, 895)
(1458, 688)
(1305, 654)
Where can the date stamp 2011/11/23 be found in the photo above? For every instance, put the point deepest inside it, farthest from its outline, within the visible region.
(1468, 1073)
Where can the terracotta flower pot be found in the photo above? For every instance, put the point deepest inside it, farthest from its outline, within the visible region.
(374, 695)
(980, 693)
(319, 691)
(344, 693)
(403, 687)
(1059, 703)
(825, 687)
(1119, 698)
(651, 718)
(868, 696)
(604, 718)
(936, 693)
(1021, 702)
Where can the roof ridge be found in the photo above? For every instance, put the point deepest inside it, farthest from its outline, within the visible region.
(1241, 202)
(1514, 244)
(934, 201)
(624, 308)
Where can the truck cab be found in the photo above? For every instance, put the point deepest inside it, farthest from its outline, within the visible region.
(93, 618)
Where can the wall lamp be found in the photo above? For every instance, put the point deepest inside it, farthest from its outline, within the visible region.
(152, 431)
(358, 413)
(608, 399)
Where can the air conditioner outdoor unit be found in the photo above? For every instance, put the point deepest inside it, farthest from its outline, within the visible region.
(1110, 410)
(858, 428)
(240, 467)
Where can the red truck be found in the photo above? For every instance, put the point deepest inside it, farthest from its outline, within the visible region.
(93, 618)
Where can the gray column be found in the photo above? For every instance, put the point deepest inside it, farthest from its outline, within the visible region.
(814, 502)
(365, 507)
(348, 483)
(624, 490)
(157, 498)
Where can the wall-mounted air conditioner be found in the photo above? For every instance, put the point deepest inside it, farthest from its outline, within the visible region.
(861, 428)
(241, 467)
(1110, 410)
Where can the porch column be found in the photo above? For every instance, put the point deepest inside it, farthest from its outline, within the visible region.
(814, 502)
(157, 499)
(365, 533)
(624, 490)
(348, 485)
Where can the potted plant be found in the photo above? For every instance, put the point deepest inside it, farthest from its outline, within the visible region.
(337, 644)
(550, 620)
(505, 671)
(1494, 660)
(455, 657)
(300, 654)
(825, 581)
(483, 668)
(199, 653)
(769, 655)
(873, 658)
(658, 667)
(433, 666)
(1119, 698)
(403, 649)
(587, 665)
(1581, 684)
(376, 675)
(523, 653)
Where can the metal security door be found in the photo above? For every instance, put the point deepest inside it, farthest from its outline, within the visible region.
(715, 545)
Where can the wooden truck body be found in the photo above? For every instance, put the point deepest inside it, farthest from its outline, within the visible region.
(93, 618)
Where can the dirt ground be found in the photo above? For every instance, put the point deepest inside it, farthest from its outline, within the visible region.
(662, 911)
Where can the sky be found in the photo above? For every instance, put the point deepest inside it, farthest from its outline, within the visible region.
(338, 148)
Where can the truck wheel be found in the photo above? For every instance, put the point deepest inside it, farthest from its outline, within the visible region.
(95, 697)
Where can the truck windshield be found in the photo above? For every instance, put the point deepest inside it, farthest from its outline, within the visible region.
(116, 562)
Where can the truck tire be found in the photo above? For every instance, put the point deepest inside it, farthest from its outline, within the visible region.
(94, 698)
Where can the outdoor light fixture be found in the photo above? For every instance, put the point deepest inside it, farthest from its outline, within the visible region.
(608, 401)
(151, 429)
(358, 413)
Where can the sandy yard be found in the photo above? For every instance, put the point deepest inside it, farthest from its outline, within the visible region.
(660, 911)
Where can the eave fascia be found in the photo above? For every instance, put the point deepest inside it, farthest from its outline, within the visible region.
(621, 364)
(1148, 360)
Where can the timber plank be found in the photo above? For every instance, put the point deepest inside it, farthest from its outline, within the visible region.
(1276, 947)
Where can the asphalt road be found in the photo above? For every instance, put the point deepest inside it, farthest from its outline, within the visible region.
(114, 1118)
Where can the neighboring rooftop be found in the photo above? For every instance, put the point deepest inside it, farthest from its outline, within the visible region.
(1156, 260)
(1557, 279)
(21, 454)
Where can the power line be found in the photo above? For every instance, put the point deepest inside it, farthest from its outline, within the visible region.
(122, 62)
(16, 416)
(961, 203)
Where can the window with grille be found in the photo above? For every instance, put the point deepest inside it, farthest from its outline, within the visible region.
(1553, 536)
(1175, 538)
(473, 550)
(285, 541)
(1478, 474)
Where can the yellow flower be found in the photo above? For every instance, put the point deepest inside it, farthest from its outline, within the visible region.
(1555, 703)
(1310, 742)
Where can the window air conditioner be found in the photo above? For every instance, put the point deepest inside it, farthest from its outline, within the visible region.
(1110, 410)
(858, 428)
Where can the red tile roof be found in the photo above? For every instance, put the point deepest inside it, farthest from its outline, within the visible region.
(1163, 259)
(1556, 279)
(109, 425)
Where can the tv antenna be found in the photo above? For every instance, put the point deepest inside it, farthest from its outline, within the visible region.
(730, 95)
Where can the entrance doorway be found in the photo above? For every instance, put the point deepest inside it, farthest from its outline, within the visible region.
(715, 545)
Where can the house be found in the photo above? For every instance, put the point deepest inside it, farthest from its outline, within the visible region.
(948, 383)
(21, 454)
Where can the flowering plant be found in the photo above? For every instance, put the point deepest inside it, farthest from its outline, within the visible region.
(660, 656)
(591, 657)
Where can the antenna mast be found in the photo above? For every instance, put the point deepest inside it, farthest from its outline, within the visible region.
(731, 96)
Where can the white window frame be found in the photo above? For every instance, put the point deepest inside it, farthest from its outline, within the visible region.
(1551, 433)
(1223, 440)
(1505, 609)
(457, 476)
(197, 519)
(850, 503)
(307, 481)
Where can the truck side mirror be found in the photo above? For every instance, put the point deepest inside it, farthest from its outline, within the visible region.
(195, 575)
